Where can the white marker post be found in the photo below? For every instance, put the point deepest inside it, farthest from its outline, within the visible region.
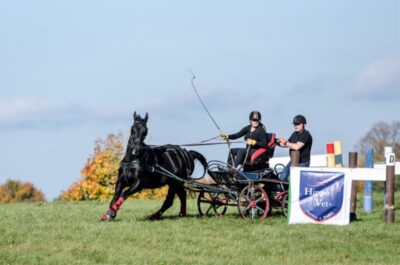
(390, 181)
(388, 150)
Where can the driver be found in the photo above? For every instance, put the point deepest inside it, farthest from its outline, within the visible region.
(255, 136)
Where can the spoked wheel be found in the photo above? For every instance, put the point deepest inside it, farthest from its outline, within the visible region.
(285, 204)
(212, 203)
(253, 202)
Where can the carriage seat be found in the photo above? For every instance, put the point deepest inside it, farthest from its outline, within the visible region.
(269, 149)
(260, 158)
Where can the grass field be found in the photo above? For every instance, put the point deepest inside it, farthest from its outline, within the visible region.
(70, 233)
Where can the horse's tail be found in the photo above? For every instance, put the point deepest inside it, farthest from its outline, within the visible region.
(201, 159)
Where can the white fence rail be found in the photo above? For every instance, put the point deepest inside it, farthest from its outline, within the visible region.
(319, 162)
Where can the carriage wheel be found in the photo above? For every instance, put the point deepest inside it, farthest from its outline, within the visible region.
(285, 204)
(253, 202)
(212, 203)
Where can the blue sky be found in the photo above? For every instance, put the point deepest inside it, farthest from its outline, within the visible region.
(73, 71)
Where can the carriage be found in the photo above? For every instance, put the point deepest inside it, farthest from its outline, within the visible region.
(255, 190)
(255, 193)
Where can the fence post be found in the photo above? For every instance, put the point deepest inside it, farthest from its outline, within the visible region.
(390, 181)
(369, 163)
(294, 158)
(388, 150)
(353, 198)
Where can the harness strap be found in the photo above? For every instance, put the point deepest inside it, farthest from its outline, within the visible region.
(128, 166)
(131, 165)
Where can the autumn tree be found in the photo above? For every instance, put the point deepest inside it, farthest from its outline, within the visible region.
(380, 135)
(99, 174)
(17, 191)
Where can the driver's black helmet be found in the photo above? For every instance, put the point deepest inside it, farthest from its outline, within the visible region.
(255, 116)
(299, 119)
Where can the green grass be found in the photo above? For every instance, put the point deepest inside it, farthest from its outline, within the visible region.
(70, 233)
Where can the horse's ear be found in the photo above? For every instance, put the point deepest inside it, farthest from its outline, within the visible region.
(146, 117)
(134, 116)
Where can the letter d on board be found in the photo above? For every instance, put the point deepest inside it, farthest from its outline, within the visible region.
(390, 159)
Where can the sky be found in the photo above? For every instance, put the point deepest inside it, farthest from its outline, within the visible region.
(74, 71)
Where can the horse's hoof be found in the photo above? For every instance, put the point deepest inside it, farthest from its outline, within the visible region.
(182, 215)
(156, 216)
(107, 218)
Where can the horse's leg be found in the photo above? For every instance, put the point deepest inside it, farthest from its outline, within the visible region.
(115, 203)
(169, 201)
(131, 190)
(181, 192)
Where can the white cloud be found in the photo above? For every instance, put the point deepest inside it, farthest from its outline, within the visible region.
(16, 113)
(16, 108)
(26, 113)
(379, 81)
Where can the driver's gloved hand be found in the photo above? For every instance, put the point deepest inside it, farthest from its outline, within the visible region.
(251, 142)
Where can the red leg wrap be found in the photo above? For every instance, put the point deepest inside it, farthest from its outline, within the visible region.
(117, 204)
(119, 201)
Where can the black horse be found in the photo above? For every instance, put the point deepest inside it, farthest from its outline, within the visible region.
(138, 170)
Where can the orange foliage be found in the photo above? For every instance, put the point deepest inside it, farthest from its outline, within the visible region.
(99, 175)
(16, 191)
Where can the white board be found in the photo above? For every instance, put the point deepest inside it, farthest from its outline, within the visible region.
(316, 161)
(396, 169)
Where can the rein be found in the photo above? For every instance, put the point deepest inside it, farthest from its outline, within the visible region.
(199, 144)
(245, 158)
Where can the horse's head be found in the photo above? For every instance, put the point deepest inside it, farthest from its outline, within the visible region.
(138, 133)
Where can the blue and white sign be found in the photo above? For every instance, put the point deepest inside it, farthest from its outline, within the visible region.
(319, 197)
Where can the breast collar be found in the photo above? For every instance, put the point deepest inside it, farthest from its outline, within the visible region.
(143, 163)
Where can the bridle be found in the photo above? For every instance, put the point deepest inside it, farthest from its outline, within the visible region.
(137, 142)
